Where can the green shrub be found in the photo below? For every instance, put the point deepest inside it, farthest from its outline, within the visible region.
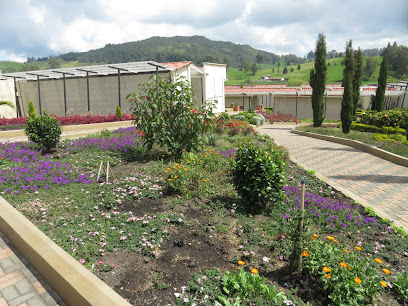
(166, 113)
(391, 137)
(118, 112)
(391, 118)
(258, 176)
(401, 285)
(375, 129)
(44, 131)
(31, 110)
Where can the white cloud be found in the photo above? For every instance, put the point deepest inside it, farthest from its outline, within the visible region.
(37, 15)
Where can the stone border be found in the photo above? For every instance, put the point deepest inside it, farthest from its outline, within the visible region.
(75, 284)
(71, 128)
(394, 158)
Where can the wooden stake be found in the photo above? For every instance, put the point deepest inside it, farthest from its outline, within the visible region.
(302, 210)
(100, 169)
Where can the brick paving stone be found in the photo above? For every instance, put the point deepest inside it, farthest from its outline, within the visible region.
(373, 179)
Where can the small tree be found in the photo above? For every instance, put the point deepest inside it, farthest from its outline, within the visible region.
(298, 67)
(118, 112)
(347, 102)
(285, 70)
(370, 67)
(165, 112)
(358, 75)
(31, 110)
(382, 84)
(318, 80)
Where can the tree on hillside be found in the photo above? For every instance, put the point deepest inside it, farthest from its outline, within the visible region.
(358, 75)
(347, 102)
(53, 64)
(254, 68)
(285, 70)
(29, 67)
(382, 84)
(298, 67)
(259, 58)
(318, 80)
(278, 65)
(370, 67)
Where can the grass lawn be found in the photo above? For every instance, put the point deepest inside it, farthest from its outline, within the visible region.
(171, 231)
(365, 137)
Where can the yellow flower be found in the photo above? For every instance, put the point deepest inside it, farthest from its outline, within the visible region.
(315, 236)
(255, 271)
(305, 254)
(330, 238)
(384, 284)
(204, 180)
(386, 271)
(334, 240)
(327, 276)
(346, 251)
(357, 280)
(169, 180)
(167, 171)
(358, 248)
(343, 265)
(176, 176)
(377, 260)
(241, 263)
(326, 269)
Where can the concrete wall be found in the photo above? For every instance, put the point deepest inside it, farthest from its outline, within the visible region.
(250, 101)
(103, 92)
(7, 94)
(287, 105)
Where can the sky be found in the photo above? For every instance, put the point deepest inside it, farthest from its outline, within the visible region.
(51, 27)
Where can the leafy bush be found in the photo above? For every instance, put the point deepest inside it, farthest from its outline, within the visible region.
(44, 131)
(251, 117)
(391, 118)
(277, 117)
(401, 284)
(31, 110)
(118, 113)
(375, 129)
(169, 118)
(391, 137)
(346, 273)
(258, 176)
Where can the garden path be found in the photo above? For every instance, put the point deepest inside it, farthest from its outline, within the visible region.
(370, 180)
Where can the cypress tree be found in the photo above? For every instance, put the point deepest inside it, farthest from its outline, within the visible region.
(382, 84)
(347, 102)
(318, 80)
(358, 74)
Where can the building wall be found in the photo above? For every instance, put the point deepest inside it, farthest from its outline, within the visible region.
(197, 84)
(250, 101)
(215, 76)
(287, 105)
(103, 94)
(7, 94)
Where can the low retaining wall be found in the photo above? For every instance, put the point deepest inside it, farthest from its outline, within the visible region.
(75, 284)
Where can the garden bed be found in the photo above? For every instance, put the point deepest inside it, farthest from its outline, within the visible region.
(167, 230)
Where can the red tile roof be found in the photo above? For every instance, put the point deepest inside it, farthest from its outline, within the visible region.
(177, 65)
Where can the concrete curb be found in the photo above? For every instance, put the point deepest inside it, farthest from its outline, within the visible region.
(72, 128)
(73, 282)
(396, 159)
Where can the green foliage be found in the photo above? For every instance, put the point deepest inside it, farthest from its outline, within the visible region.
(118, 112)
(397, 57)
(400, 284)
(251, 117)
(347, 102)
(44, 131)
(370, 67)
(375, 129)
(395, 118)
(318, 76)
(166, 113)
(347, 274)
(31, 110)
(258, 176)
(8, 103)
(358, 75)
(285, 70)
(382, 84)
(391, 137)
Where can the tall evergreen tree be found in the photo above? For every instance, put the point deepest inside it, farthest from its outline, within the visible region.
(348, 76)
(358, 74)
(318, 80)
(382, 84)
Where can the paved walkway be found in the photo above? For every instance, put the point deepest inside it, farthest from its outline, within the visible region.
(20, 284)
(362, 176)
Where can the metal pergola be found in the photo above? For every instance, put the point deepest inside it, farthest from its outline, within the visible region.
(75, 72)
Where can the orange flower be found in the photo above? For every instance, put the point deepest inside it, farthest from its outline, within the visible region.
(331, 238)
(357, 280)
(386, 271)
(241, 263)
(334, 240)
(255, 271)
(358, 248)
(346, 251)
(349, 267)
(315, 236)
(377, 260)
(305, 254)
(327, 276)
(326, 269)
(384, 284)
(343, 265)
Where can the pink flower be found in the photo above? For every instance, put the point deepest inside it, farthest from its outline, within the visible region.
(100, 262)
(81, 261)
(112, 266)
